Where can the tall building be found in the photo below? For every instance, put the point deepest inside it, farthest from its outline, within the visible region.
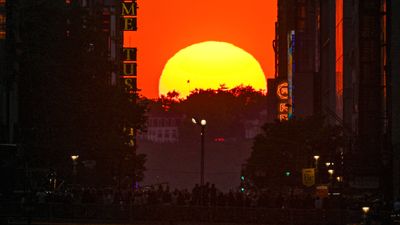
(393, 90)
(354, 86)
(9, 66)
(336, 58)
(52, 74)
(295, 47)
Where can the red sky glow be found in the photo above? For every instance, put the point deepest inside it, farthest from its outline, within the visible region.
(165, 27)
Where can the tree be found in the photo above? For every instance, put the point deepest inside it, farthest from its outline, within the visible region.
(224, 109)
(289, 146)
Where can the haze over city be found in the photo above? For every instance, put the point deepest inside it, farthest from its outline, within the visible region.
(188, 112)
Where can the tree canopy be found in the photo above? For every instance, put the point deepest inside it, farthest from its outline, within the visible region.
(289, 146)
(224, 109)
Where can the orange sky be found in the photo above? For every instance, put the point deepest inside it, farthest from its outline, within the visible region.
(166, 26)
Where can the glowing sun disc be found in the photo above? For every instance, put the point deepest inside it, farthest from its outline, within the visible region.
(208, 65)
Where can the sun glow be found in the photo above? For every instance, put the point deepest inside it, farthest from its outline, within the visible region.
(209, 65)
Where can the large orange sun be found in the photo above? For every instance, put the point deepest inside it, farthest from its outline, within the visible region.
(208, 65)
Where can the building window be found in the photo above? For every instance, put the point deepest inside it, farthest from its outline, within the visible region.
(160, 122)
(167, 135)
(159, 134)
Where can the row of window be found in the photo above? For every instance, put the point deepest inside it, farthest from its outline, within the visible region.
(162, 122)
(161, 135)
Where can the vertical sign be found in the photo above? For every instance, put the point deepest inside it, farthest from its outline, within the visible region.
(2, 19)
(128, 69)
(282, 93)
(291, 68)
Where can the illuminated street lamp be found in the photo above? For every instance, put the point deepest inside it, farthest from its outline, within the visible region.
(74, 164)
(328, 164)
(74, 157)
(365, 210)
(202, 123)
(316, 157)
(330, 171)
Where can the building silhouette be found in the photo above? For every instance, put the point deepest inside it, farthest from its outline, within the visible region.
(337, 59)
(55, 61)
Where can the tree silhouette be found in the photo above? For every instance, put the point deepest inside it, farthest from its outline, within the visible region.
(290, 146)
(224, 109)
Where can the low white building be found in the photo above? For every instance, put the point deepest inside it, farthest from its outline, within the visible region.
(162, 127)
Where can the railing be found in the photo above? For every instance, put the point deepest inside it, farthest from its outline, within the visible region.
(130, 213)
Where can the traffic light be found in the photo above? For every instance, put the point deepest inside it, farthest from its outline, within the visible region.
(287, 173)
(242, 178)
(242, 189)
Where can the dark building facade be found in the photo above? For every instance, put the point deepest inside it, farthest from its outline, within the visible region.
(393, 90)
(55, 61)
(338, 59)
(296, 50)
(9, 66)
(354, 86)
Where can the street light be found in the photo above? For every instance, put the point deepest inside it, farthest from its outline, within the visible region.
(202, 123)
(316, 157)
(74, 164)
(365, 210)
(330, 171)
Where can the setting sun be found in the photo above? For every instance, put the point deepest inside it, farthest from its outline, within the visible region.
(208, 65)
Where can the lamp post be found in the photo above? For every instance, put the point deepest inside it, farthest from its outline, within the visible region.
(331, 171)
(202, 123)
(365, 210)
(74, 164)
(316, 157)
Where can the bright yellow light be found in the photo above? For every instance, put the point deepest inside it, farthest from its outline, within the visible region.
(365, 209)
(208, 65)
(74, 157)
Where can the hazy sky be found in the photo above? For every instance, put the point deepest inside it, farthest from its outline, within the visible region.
(165, 27)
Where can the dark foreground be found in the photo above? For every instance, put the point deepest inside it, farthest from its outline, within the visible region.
(54, 213)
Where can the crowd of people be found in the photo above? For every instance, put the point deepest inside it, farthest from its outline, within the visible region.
(206, 195)
(200, 196)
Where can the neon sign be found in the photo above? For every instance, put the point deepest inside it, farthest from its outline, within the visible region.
(282, 92)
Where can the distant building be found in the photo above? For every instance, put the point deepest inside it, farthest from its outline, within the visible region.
(162, 127)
